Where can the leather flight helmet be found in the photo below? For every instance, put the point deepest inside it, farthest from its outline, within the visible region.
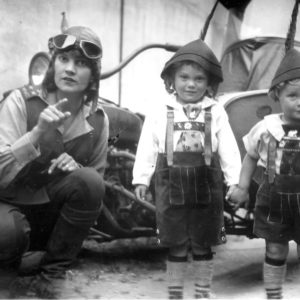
(198, 52)
(85, 33)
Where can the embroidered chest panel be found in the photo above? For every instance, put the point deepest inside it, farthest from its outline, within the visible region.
(189, 126)
(191, 137)
(290, 147)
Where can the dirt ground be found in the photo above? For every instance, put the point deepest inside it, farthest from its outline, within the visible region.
(135, 269)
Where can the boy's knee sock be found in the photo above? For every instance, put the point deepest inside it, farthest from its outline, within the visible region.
(274, 274)
(203, 272)
(176, 268)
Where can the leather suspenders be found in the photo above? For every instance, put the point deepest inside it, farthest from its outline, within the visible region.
(207, 136)
(169, 136)
(271, 167)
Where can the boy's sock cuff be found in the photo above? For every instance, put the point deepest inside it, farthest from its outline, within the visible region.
(207, 256)
(173, 258)
(274, 262)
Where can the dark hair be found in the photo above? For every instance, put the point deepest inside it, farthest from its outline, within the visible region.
(169, 77)
(91, 91)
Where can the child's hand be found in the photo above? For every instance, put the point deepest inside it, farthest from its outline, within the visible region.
(237, 197)
(140, 191)
(230, 191)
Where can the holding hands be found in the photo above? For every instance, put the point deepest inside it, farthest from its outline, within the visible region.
(237, 196)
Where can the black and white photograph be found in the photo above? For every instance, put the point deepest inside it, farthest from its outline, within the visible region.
(149, 149)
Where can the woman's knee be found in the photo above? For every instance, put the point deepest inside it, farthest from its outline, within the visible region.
(90, 183)
(15, 230)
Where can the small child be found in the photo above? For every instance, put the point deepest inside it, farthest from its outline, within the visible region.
(187, 143)
(274, 144)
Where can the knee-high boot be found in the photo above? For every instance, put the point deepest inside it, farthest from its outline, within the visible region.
(64, 245)
(84, 190)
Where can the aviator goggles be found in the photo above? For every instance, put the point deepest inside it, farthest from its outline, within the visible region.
(89, 49)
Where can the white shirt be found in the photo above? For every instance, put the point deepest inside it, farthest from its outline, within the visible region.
(257, 140)
(152, 140)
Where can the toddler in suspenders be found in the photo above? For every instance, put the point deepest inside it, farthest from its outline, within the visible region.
(274, 144)
(187, 147)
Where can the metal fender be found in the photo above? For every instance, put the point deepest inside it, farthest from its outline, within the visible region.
(124, 127)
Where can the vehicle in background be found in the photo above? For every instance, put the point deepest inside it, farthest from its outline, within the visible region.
(248, 67)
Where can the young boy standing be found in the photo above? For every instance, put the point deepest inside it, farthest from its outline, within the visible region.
(187, 144)
(274, 144)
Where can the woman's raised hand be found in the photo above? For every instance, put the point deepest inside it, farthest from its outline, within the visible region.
(53, 116)
(50, 118)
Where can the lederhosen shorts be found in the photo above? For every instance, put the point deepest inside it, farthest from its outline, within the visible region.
(189, 199)
(189, 205)
(277, 208)
(277, 213)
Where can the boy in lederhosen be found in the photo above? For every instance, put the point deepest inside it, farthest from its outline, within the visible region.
(188, 144)
(274, 145)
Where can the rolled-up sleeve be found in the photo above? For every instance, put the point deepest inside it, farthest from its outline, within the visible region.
(253, 138)
(146, 155)
(230, 158)
(16, 149)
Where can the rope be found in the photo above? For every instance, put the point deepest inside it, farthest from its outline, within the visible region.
(289, 43)
(207, 21)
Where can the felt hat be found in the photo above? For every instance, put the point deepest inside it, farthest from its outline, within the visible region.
(198, 52)
(288, 69)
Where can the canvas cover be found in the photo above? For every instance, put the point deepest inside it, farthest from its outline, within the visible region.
(250, 64)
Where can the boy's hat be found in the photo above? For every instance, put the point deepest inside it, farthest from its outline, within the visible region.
(288, 69)
(198, 52)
